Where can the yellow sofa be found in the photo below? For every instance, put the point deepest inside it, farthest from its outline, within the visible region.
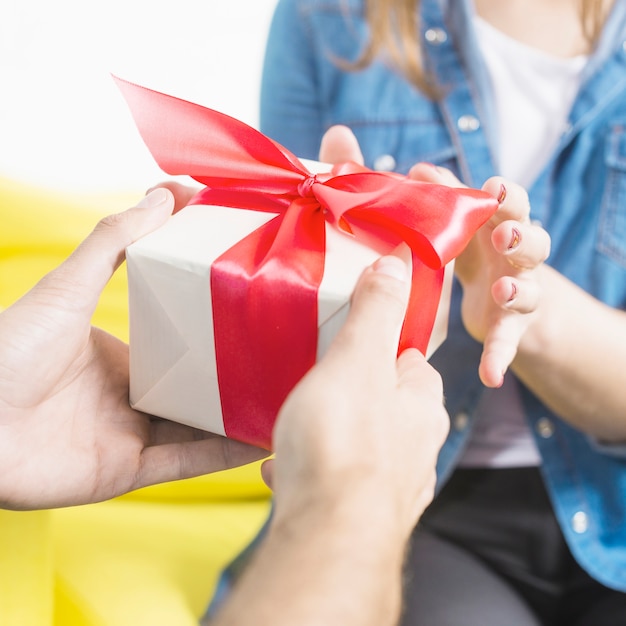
(150, 557)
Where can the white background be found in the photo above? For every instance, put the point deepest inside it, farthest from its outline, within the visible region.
(63, 122)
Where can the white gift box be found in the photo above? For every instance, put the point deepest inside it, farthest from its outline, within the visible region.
(173, 370)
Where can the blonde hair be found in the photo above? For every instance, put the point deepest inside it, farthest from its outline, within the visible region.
(394, 28)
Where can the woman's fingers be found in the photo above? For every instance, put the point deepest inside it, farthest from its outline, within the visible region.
(516, 294)
(513, 199)
(429, 173)
(523, 244)
(499, 350)
(339, 144)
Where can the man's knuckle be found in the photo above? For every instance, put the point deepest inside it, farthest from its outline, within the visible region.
(111, 222)
(385, 291)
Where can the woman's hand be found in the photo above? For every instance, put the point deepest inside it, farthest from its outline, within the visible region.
(496, 270)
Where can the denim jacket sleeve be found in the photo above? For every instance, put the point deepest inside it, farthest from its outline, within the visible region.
(290, 112)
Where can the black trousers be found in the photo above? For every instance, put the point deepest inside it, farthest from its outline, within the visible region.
(489, 552)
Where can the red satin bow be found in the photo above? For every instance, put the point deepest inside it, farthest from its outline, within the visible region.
(264, 289)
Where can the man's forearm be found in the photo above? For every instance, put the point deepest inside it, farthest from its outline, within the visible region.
(340, 567)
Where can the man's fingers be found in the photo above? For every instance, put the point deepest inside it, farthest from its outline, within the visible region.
(340, 145)
(85, 273)
(176, 461)
(377, 309)
(415, 371)
(267, 473)
(182, 193)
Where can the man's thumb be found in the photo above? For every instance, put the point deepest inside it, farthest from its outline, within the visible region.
(92, 264)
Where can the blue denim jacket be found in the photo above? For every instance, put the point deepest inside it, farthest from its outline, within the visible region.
(580, 198)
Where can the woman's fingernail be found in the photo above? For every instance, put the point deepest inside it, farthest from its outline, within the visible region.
(392, 266)
(516, 237)
(153, 199)
(502, 194)
(513, 293)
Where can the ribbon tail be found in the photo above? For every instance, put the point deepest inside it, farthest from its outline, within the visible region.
(426, 288)
(264, 292)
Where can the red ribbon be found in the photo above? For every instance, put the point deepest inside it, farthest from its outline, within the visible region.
(264, 289)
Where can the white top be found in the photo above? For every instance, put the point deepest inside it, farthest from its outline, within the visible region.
(533, 92)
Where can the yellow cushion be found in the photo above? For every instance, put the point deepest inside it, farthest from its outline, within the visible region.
(155, 552)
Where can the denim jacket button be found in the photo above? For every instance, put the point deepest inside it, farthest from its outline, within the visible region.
(545, 428)
(580, 522)
(436, 36)
(460, 421)
(468, 123)
(384, 163)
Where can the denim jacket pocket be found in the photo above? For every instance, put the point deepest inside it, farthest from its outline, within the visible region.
(612, 231)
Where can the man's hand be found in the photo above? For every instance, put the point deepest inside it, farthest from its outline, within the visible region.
(364, 425)
(356, 443)
(67, 433)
